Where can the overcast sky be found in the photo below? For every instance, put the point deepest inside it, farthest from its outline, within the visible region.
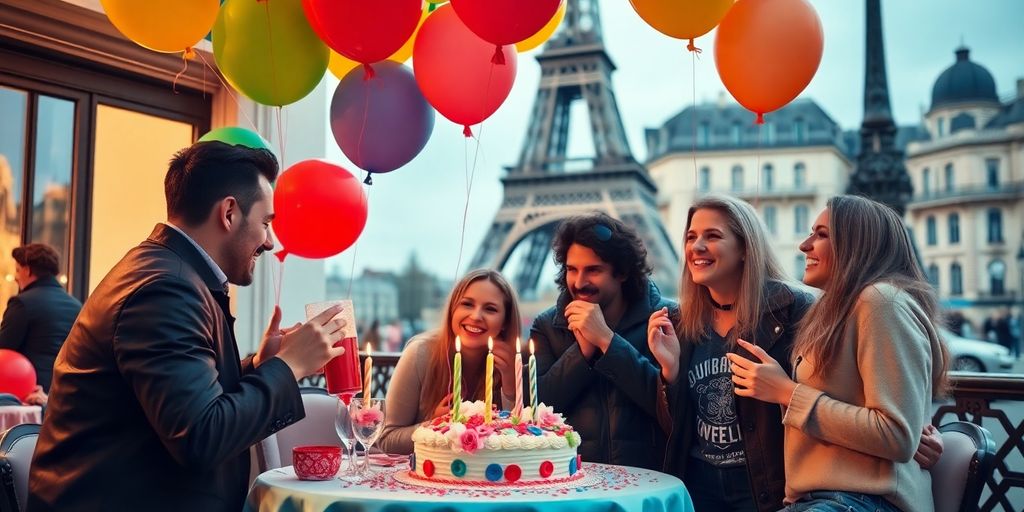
(419, 207)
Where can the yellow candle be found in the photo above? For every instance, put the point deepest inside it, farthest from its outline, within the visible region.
(457, 380)
(517, 409)
(368, 374)
(488, 381)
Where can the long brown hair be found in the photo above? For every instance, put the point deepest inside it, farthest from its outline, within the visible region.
(869, 245)
(759, 266)
(442, 351)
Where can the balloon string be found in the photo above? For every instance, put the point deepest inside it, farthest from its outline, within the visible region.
(362, 128)
(355, 245)
(186, 56)
(229, 90)
(693, 121)
(278, 280)
(470, 173)
(281, 138)
(758, 170)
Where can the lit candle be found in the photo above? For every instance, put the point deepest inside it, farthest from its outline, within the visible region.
(517, 409)
(457, 380)
(368, 374)
(488, 381)
(533, 382)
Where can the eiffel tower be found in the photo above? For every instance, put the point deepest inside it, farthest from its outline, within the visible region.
(547, 186)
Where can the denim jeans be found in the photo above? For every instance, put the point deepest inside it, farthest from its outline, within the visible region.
(714, 489)
(841, 501)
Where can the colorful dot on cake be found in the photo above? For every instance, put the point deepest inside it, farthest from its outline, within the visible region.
(428, 468)
(546, 468)
(572, 466)
(458, 468)
(493, 472)
(535, 430)
(512, 473)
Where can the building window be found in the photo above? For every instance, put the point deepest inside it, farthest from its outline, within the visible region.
(703, 134)
(954, 228)
(734, 134)
(933, 276)
(931, 230)
(995, 226)
(801, 265)
(770, 220)
(956, 279)
(949, 178)
(800, 219)
(800, 131)
(705, 179)
(997, 277)
(769, 133)
(926, 182)
(799, 175)
(942, 127)
(768, 177)
(992, 173)
(737, 178)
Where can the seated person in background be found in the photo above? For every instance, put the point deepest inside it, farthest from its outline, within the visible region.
(482, 305)
(39, 317)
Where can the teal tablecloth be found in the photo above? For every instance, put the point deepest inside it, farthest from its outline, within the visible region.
(617, 488)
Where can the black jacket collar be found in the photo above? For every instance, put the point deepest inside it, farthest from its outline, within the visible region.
(41, 282)
(170, 238)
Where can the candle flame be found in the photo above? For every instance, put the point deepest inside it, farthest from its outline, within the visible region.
(458, 344)
(531, 346)
(490, 343)
(518, 342)
(369, 349)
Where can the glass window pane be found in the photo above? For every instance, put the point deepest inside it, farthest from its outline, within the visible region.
(13, 109)
(51, 187)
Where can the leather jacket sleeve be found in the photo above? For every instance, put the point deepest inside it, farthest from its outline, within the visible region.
(561, 377)
(162, 347)
(629, 370)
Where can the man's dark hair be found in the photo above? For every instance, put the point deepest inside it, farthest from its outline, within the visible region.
(206, 172)
(614, 242)
(41, 259)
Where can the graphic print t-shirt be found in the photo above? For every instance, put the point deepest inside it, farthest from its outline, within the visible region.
(711, 391)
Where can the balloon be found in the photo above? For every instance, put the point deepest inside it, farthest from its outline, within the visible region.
(365, 31)
(682, 19)
(267, 50)
(162, 25)
(236, 136)
(381, 124)
(544, 33)
(320, 209)
(505, 21)
(454, 70)
(17, 376)
(340, 65)
(767, 51)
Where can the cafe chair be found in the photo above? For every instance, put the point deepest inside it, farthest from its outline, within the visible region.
(317, 428)
(17, 445)
(964, 466)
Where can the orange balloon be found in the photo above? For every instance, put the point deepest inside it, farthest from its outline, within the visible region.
(682, 19)
(767, 51)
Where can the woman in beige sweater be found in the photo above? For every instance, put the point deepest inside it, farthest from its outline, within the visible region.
(482, 305)
(867, 362)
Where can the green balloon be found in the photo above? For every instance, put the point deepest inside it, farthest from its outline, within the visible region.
(268, 51)
(237, 136)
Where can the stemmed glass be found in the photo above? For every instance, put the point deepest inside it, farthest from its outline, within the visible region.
(367, 418)
(344, 427)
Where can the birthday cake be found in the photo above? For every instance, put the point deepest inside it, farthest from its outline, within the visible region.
(526, 449)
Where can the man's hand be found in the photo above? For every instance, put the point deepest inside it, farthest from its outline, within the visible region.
(587, 322)
(664, 344)
(310, 346)
(930, 449)
(271, 343)
(764, 379)
(37, 397)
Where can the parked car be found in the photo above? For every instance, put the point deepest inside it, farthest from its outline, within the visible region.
(967, 355)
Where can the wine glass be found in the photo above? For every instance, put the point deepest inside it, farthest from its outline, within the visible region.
(367, 418)
(343, 425)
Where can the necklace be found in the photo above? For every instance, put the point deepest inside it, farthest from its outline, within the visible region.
(723, 307)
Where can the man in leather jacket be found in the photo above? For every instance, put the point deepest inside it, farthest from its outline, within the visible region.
(150, 407)
(593, 360)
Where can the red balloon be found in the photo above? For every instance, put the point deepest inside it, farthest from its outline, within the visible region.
(454, 69)
(365, 31)
(319, 209)
(17, 376)
(767, 51)
(505, 21)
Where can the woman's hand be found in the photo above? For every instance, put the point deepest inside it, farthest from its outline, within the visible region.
(764, 379)
(443, 407)
(664, 344)
(930, 449)
(504, 361)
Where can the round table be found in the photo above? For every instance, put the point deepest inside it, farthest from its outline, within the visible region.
(618, 488)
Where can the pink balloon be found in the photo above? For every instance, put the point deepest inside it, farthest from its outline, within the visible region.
(17, 376)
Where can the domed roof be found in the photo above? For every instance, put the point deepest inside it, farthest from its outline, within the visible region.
(964, 81)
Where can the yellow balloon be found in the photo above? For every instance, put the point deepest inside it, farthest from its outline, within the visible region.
(163, 25)
(682, 19)
(544, 33)
(341, 65)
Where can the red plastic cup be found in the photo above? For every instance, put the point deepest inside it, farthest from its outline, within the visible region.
(316, 462)
(342, 373)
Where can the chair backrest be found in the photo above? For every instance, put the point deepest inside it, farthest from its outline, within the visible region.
(17, 445)
(963, 468)
(317, 428)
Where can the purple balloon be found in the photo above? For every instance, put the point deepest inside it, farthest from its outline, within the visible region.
(381, 123)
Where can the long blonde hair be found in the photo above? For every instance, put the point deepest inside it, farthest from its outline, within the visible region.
(869, 245)
(442, 351)
(759, 266)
